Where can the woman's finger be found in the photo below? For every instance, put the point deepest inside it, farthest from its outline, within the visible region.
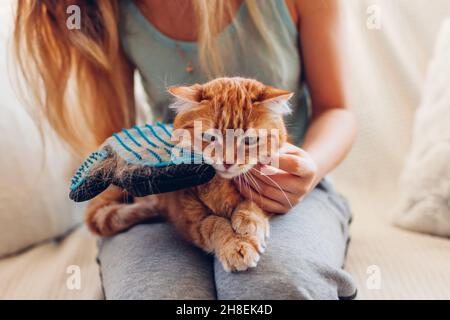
(264, 203)
(296, 165)
(275, 192)
(288, 148)
(285, 181)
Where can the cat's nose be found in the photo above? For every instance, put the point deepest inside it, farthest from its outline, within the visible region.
(227, 166)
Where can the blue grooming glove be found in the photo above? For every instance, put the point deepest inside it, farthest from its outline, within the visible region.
(143, 161)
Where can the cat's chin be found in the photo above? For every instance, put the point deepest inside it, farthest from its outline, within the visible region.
(228, 175)
(233, 174)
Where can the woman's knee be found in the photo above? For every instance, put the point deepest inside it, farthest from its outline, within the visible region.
(273, 280)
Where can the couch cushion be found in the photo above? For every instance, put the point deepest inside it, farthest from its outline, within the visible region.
(390, 263)
(48, 270)
(384, 74)
(34, 184)
(425, 183)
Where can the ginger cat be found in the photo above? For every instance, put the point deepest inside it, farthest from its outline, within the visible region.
(214, 216)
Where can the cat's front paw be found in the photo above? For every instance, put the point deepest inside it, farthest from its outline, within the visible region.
(245, 223)
(239, 254)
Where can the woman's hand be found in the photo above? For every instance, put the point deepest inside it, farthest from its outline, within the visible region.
(277, 190)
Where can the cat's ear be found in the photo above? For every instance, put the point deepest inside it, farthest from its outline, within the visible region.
(185, 97)
(276, 100)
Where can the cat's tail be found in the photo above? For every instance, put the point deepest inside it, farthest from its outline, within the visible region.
(114, 211)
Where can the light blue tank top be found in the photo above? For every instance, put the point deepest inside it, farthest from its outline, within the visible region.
(162, 61)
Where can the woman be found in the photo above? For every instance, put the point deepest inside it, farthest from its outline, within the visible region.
(285, 43)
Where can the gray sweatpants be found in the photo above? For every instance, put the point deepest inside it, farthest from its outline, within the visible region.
(303, 260)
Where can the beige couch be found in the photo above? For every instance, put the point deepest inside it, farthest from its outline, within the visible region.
(384, 77)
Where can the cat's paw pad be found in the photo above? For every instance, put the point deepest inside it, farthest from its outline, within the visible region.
(239, 254)
(245, 224)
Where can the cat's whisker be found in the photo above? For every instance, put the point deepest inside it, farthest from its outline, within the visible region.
(247, 184)
(256, 184)
(276, 185)
(252, 182)
(248, 177)
(240, 186)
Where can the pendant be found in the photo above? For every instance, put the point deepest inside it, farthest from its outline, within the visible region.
(190, 67)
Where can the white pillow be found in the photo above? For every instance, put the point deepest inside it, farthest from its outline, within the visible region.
(425, 184)
(34, 185)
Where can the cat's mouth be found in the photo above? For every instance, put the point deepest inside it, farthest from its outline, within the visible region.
(232, 171)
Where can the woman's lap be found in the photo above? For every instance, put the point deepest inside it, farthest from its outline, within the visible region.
(151, 261)
(305, 253)
(304, 257)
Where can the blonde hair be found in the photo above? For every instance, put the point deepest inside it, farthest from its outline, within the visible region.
(72, 75)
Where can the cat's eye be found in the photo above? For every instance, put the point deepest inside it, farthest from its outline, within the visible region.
(208, 137)
(251, 140)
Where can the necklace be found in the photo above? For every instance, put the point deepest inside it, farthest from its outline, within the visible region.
(190, 66)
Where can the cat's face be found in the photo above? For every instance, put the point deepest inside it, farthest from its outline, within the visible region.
(225, 117)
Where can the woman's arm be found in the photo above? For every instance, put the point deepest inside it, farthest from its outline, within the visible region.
(332, 129)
